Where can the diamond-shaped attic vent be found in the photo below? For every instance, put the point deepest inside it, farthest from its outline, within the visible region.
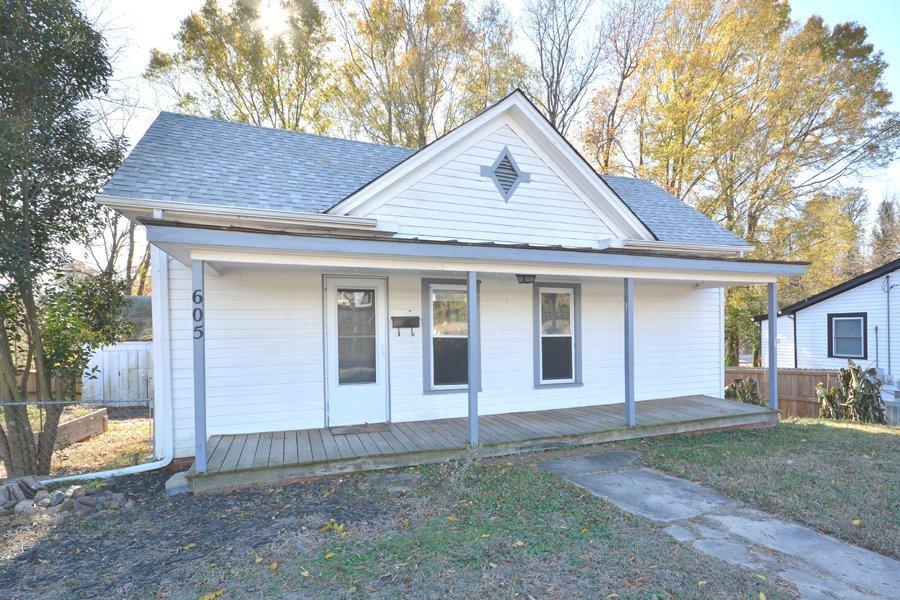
(506, 174)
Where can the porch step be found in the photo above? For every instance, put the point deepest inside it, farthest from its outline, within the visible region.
(743, 417)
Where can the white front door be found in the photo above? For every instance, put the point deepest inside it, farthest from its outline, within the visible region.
(356, 350)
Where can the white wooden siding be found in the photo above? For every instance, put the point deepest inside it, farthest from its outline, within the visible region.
(457, 202)
(812, 329)
(265, 365)
(785, 343)
(678, 348)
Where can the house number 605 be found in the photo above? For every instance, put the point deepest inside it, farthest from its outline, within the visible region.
(197, 314)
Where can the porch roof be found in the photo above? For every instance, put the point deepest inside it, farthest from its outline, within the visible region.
(232, 245)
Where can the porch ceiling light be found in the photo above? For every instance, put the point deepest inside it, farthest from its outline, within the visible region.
(526, 278)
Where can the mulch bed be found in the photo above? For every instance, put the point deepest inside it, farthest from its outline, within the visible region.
(162, 543)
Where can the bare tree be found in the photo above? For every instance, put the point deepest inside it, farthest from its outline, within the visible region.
(626, 31)
(567, 63)
(115, 252)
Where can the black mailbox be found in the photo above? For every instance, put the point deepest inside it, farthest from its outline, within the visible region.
(405, 322)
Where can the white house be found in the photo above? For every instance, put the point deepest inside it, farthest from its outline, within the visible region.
(850, 321)
(302, 283)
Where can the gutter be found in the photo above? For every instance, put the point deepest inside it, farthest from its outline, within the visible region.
(685, 248)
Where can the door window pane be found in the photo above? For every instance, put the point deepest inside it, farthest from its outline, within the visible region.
(356, 336)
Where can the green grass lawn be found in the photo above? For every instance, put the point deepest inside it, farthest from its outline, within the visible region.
(840, 478)
(503, 531)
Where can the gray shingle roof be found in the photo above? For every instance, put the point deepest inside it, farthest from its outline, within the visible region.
(670, 219)
(207, 161)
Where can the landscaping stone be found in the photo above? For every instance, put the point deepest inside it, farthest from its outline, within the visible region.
(57, 497)
(75, 491)
(41, 495)
(397, 482)
(25, 507)
(23, 488)
(32, 485)
(89, 501)
(117, 500)
(63, 507)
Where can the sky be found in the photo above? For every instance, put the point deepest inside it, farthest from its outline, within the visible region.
(134, 27)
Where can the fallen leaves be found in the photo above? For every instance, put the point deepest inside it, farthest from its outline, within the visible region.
(213, 595)
(329, 555)
(856, 522)
(334, 527)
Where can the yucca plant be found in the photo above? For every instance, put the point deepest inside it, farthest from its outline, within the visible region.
(857, 396)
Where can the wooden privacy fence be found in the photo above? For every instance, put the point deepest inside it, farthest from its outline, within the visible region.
(796, 387)
(56, 388)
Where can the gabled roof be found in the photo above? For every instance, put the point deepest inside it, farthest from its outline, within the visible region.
(199, 160)
(885, 269)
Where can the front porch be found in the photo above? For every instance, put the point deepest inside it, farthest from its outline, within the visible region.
(234, 460)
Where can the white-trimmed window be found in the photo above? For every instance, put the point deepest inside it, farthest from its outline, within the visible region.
(449, 336)
(847, 335)
(556, 335)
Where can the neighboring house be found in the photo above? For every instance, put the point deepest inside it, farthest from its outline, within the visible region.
(302, 281)
(850, 321)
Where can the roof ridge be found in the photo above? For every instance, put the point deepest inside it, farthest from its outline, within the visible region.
(282, 130)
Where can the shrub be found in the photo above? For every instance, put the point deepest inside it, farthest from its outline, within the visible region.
(857, 397)
(745, 390)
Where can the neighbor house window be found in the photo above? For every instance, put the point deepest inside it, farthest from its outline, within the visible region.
(847, 335)
(557, 343)
(448, 305)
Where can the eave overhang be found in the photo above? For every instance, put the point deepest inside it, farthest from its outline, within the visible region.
(187, 243)
(219, 215)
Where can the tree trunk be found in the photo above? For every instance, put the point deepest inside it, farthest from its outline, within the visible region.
(732, 348)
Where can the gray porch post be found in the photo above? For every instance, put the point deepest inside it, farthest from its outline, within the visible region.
(474, 354)
(773, 347)
(198, 323)
(630, 417)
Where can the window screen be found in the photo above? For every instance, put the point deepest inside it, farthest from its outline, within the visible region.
(848, 336)
(557, 335)
(449, 336)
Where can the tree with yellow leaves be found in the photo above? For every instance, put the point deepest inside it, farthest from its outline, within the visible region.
(748, 115)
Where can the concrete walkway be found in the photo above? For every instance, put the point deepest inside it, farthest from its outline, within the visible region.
(819, 565)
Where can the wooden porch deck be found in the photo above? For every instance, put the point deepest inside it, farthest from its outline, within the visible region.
(266, 457)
